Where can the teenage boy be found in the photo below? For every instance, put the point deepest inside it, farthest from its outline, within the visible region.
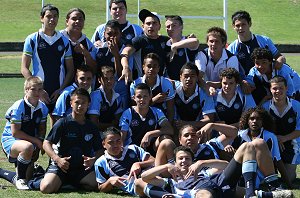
(150, 41)
(118, 11)
(246, 42)
(192, 105)
(51, 57)
(106, 105)
(77, 145)
(83, 79)
(264, 69)
(120, 166)
(212, 60)
(286, 114)
(162, 89)
(109, 55)
(182, 49)
(144, 125)
(230, 101)
(215, 178)
(24, 132)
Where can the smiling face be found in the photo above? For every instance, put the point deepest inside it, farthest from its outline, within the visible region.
(255, 122)
(278, 91)
(173, 28)
(113, 144)
(84, 79)
(118, 12)
(189, 138)
(229, 85)
(264, 66)
(142, 98)
(75, 22)
(33, 93)
(50, 20)
(242, 27)
(215, 44)
(183, 161)
(151, 27)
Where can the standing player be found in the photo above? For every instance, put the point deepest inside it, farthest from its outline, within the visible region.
(77, 145)
(246, 42)
(212, 60)
(118, 11)
(51, 57)
(83, 51)
(183, 49)
(286, 114)
(120, 166)
(144, 125)
(23, 135)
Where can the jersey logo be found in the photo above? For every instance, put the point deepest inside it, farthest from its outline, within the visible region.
(236, 106)
(129, 36)
(88, 137)
(60, 48)
(112, 59)
(132, 155)
(104, 107)
(151, 122)
(99, 55)
(291, 120)
(220, 108)
(241, 55)
(180, 53)
(195, 106)
(134, 123)
(42, 45)
(25, 118)
(163, 45)
(207, 153)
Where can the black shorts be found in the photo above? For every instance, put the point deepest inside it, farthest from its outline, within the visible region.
(73, 176)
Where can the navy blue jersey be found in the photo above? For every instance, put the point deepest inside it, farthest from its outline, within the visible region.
(147, 45)
(74, 139)
(206, 151)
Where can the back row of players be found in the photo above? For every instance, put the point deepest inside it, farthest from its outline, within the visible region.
(124, 50)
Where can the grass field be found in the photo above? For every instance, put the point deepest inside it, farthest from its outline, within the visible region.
(278, 19)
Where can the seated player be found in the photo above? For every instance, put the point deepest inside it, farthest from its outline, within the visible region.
(83, 79)
(25, 129)
(286, 114)
(120, 166)
(264, 69)
(77, 145)
(218, 178)
(106, 105)
(161, 87)
(144, 125)
(230, 101)
(192, 105)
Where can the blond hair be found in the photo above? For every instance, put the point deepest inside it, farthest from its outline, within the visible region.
(32, 80)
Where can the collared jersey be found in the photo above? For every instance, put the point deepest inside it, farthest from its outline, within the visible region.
(103, 108)
(194, 107)
(243, 50)
(30, 117)
(108, 166)
(211, 69)
(48, 58)
(232, 111)
(62, 106)
(137, 126)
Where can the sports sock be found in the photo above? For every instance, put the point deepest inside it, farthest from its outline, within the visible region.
(9, 176)
(249, 169)
(154, 191)
(22, 166)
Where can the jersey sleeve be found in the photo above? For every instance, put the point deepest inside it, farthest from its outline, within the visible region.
(160, 115)
(68, 50)
(233, 47)
(14, 113)
(29, 45)
(201, 61)
(98, 34)
(250, 76)
(91, 48)
(60, 105)
(102, 170)
(168, 86)
(132, 86)
(56, 132)
(296, 107)
(208, 103)
(125, 120)
(275, 147)
(94, 107)
(45, 112)
(233, 62)
(142, 153)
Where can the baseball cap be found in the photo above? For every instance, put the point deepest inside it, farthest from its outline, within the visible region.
(144, 13)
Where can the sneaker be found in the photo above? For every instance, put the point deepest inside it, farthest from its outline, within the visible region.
(21, 184)
(282, 194)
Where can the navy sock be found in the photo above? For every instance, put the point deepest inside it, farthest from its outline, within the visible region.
(154, 191)
(262, 194)
(249, 169)
(22, 166)
(9, 176)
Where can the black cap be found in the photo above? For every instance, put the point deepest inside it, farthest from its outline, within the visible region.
(144, 13)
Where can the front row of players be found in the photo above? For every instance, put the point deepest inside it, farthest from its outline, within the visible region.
(74, 146)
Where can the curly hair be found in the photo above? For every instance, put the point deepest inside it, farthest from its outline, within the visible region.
(230, 73)
(267, 121)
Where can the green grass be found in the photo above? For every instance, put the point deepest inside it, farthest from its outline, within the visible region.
(278, 19)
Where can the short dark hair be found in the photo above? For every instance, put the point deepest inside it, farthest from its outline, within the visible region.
(49, 7)
(143, 86)
(113, 24)
(184, 127)
(174, 17)
(241, 14)
(278, 79)
(230, 73)
(84, 68)
(74, 10)
(191, 66)
(153, 56)
(109, 131)
(185, 149)
(105, 68)
(261, 53)
(116, 2)
(81, 92)
(217, 31)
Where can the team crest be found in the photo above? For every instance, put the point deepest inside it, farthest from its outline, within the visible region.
(241, 55)
(163, 45)
(100, 54)
(129, 36)
(195, 106)
(220, 108)
(134, 123)
(132, 155)
(60, 48)
(26, 118)
(180, 53)
(112, 59)
(104, 107)
(151, 122)
(38, 120)
(290, 120)
(236, 106)
(42, 45)
(207, 153)
(88, 137)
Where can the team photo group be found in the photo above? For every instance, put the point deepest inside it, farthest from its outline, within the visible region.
(147, 111)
